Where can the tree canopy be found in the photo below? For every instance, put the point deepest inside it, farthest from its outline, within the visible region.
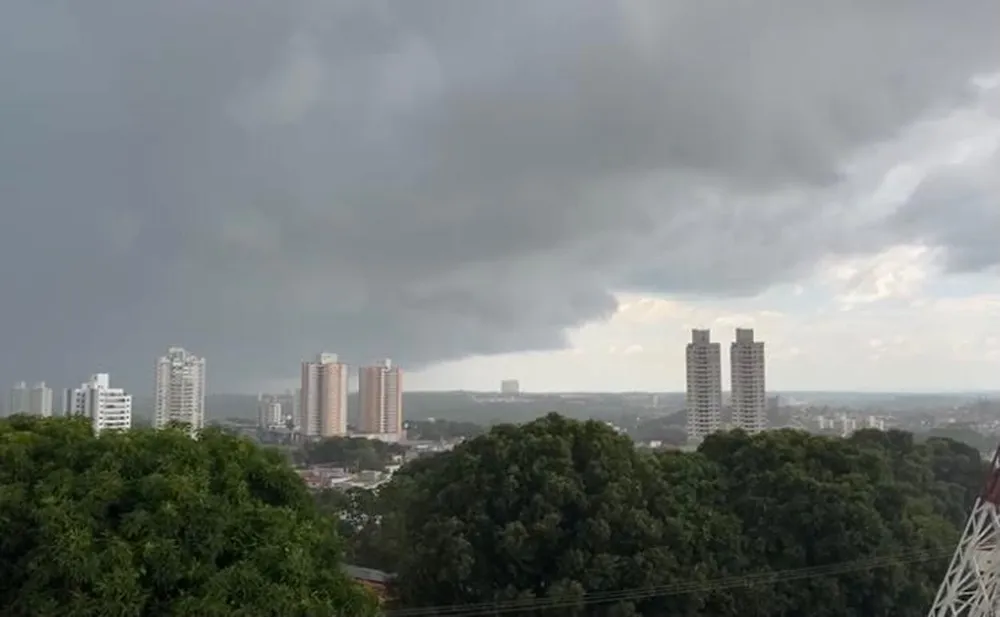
(154, 523)
(564, 510)
(442, 430)
(964, 433)
(355, 453)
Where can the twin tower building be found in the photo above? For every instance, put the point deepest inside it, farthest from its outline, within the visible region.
(748, 397)
(323, 393)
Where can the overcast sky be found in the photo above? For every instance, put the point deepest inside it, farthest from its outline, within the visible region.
(549, 190)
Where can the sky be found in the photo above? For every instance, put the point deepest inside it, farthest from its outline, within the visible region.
(550, 190)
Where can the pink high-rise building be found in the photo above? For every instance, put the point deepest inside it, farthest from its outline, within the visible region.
(380, 394)
(323, 399)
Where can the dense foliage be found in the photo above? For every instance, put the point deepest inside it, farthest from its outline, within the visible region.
(354, 453)
(564, 509)
(964, 433)
(442, 430)
(151, 523)
(571, 513)
(668, 430)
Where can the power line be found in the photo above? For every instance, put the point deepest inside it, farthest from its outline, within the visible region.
(642, 593)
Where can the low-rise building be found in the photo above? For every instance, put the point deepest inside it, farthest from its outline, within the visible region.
(376, 580)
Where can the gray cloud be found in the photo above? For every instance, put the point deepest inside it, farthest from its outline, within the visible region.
(960, 213)
(260, 180)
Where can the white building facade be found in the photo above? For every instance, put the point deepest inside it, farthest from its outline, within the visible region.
(272, 411)
(179, 394)
(18, 399)
(36, 400)
(108, 408)
(40, 400)
(749, 393)
(704, 386)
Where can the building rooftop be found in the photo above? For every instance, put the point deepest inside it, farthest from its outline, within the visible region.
(370, 575)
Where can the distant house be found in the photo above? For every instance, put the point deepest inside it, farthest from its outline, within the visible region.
(376, 580)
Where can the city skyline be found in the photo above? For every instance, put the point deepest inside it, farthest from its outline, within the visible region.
(666, 376)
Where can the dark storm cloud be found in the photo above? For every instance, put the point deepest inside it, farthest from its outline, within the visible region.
(260, 180)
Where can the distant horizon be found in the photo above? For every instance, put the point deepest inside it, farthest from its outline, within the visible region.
(927, 392)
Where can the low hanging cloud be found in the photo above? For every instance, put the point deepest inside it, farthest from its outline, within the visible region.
(427, 180)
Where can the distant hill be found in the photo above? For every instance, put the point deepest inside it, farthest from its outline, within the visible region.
(217, 407)
(491, 408)
(478, 407)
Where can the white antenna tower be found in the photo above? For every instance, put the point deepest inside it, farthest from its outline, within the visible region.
(971, 587)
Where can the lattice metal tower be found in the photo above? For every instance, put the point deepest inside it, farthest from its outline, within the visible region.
(971, 588)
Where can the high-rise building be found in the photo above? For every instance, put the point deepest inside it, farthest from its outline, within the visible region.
(40, 400)
(510, 387)
(19, 399)
(704, 386)
(749, 396)
(179, 395)
(380, 398)
(108, 408)
(36, 400)
(271, 411)
(68, 398)
(323, 400)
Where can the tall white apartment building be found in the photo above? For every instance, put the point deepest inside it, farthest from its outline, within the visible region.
(36, 400)
(108, 408)
(749, 395)
(179, 395)
(66, 404)
(704, 386)
(40, 400)
(380, 398)
(18, 400)
(271, 411)
(323, 397)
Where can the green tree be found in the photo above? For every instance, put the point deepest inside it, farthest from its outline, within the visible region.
(560, 509)
(663, 429)
(149, 523)
(549, 509)
(442, 430)
(964, 433)
(355, 453)
(807, 501)
(368, 521)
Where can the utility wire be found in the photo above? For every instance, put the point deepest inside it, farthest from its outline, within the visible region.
(642, 593)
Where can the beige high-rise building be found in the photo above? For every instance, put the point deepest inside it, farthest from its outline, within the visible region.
(380, 398)
(323, 398)
(704, 386)
(749, 394)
